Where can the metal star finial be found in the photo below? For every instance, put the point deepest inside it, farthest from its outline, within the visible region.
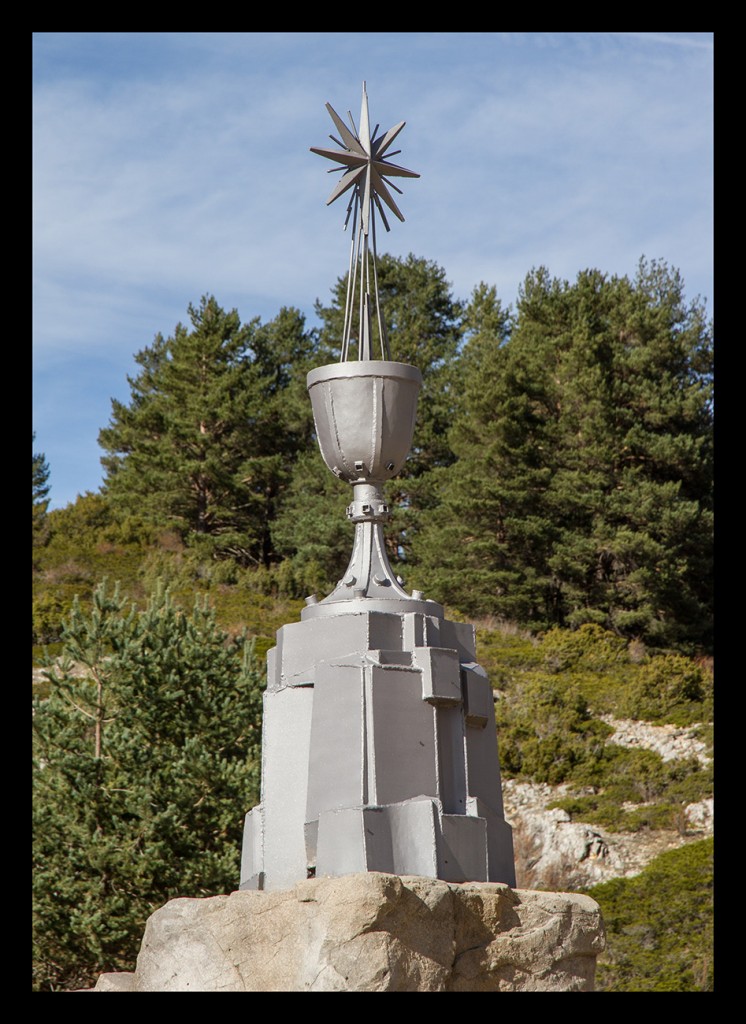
(366, 171)
(364, 166)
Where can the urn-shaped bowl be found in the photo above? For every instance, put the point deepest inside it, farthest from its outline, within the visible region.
(365, 414)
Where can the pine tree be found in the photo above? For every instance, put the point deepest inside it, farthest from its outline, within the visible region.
(312, 530)
(39, 494)
(583, 490)
(214, 422)
(146, 756)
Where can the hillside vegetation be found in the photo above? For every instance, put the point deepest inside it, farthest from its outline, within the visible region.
(659, 925)
(559, 492)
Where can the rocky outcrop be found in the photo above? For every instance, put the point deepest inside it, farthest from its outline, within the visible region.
(701, 816)
(554, 852)
(370, 932)
(551, 850)
(114, 982)
(670, 741)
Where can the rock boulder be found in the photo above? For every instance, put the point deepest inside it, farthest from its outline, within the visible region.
(371, 932)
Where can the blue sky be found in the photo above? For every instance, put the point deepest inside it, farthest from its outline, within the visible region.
(172, 165)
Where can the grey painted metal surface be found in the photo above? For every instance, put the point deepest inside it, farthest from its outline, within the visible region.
(365, 163)
(380, 758)
(364, 413)
(379, 748)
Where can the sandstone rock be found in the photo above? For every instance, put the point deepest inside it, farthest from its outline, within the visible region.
(115, 982)
(373, 932)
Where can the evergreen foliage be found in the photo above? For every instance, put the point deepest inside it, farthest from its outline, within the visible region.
(561, 476)
(659, 925)
(550, 730)
(146, 755)
(312, 529)
(83, 543)
(216, 418)
(580, 426)
(583, 486)
(39, 494)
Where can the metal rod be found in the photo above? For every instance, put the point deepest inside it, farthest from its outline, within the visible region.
(353, 283)
(345, 330)
(381, 211)
(349, 210)
(382, 333)
(367, 339)
(361, 307)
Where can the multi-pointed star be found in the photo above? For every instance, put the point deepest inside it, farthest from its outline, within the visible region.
(363, 164)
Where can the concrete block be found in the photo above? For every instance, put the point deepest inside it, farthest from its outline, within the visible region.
(413, 831)
(479, 707)
(273, 670)
(461, 636)
(400, 737)
(252, 849)
(384, 631)
(420, 630)
(285, 749)
(441, 682)
(311, 836)
(483, 767)
(401, 658)
(399, 838)
(463, 849)
(336, 767)
(450, 759)
(302, 645)
(500, 859)
(413, 630)
(341, 848)
(379, 754)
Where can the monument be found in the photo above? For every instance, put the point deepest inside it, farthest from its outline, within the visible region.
(379, 742)
(379, 755)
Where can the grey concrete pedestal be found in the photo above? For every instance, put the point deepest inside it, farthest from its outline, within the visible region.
(379, 751)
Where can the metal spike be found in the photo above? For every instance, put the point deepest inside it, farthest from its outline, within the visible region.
(392, 185)
(350, 141)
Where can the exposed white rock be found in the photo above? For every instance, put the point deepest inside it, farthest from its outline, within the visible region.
(701, 816)
(551, 850)
(670, 741)
(554, 852)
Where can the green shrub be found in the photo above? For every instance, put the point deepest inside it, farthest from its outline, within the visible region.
(146, 757)
(546, 730)
(668, 688)
(622, 776)
(659, 925)
(590, 646)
